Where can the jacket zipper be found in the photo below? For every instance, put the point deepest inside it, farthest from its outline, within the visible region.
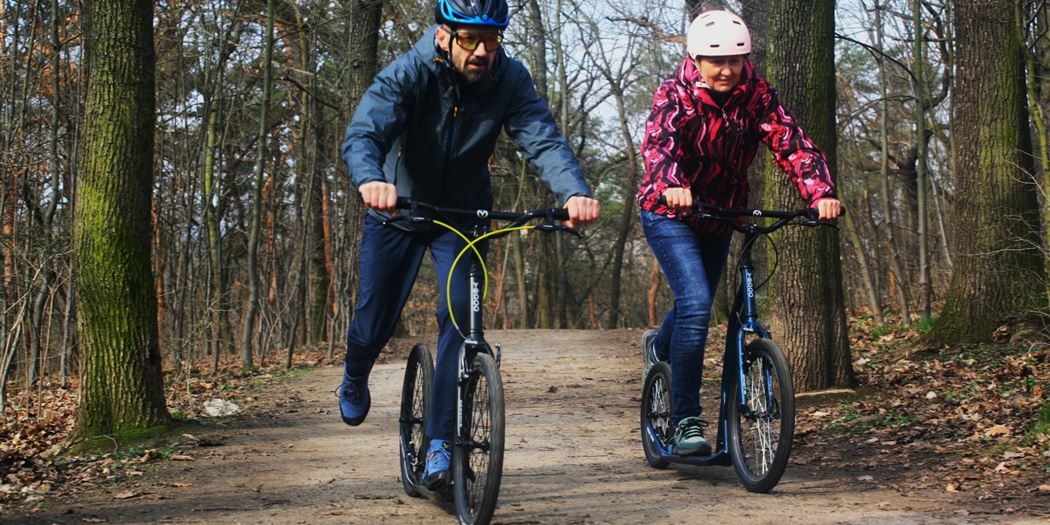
(449, 136)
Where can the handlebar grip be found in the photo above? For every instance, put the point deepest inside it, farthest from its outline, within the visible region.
(813, 214)
(404, 203)
(560, 214)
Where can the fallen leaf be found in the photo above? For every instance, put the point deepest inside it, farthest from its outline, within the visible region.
(952, 487)
(181, 457)
(997, 430)
(125, 495)
(1044, 488)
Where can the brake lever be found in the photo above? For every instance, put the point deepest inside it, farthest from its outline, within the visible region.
(395, 218)
(810, 222)
(415, 219)
(552, 227)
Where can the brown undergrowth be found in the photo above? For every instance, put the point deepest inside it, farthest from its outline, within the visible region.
(972, 421)
(37, 423)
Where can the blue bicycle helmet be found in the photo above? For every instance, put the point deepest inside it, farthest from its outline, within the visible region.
(491, 13)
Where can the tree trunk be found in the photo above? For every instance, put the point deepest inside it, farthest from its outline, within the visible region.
(896, 266)
(517, 245)
(252, 308)
(320, 282)
(363, 58)
(219, 300)
(870, 292)
(630, 188)
(220, 323)
(123, 385)
(921, 141)
(652, 291)
(809, 318)
(69, 337)
(998, 221)
(1039, 123)
(545, 285)
(538, 36)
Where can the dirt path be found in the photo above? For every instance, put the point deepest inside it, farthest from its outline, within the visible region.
(573, 457)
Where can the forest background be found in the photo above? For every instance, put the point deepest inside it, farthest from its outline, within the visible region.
(245, 229)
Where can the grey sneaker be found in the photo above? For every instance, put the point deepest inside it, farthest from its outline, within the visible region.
(689, 438)
(648, 350)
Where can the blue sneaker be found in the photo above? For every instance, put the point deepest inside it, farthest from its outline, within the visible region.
(354, 400)
(438, 457)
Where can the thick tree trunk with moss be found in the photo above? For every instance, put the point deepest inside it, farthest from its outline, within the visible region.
(122, 387)
(997, 230)
(809, 319)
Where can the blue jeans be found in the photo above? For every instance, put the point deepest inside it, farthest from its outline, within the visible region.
(389, 260)
(692, 264)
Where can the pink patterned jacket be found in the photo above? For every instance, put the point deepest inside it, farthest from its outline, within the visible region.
(693, 142)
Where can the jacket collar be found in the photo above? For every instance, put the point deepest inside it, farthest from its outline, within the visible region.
(689, 77)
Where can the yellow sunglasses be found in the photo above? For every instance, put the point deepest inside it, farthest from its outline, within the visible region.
(470, 42)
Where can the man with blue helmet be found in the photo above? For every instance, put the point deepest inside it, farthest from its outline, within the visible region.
(426, 129)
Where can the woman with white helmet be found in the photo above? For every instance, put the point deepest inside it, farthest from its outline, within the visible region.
(702, 134)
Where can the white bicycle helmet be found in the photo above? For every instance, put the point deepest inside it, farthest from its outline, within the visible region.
(716, 34)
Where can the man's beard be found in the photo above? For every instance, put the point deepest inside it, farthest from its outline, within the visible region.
(474, 75)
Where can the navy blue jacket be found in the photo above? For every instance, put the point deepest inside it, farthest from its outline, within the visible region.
(421, 129)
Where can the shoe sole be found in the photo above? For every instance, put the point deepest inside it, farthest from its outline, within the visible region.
(354, 421)
(702, 450)
(439, 481)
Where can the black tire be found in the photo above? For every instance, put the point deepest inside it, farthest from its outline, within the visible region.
(648, 358)
(760, 434)
(477, 457)
(656, 413)
(415, 397)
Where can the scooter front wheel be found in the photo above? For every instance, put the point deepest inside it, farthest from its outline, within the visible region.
(762, 425)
